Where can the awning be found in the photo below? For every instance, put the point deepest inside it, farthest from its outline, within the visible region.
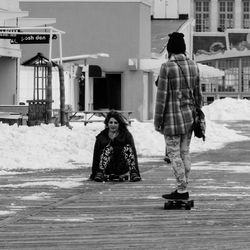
(38, 60)
(80, 57)
(209, 71)
(155, 65)
(30, 22)
(7, 14)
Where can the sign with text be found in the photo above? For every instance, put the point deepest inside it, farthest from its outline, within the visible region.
(30, 39)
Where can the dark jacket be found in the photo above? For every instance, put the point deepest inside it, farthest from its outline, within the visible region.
(117, 165)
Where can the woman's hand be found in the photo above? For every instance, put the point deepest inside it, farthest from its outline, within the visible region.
(159, 129)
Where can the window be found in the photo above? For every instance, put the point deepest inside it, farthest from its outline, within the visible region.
(203, 87)
(210, 99)
(245, 84)
(246, 15)
(40, 82)
(202, 16)
(230, 82)
(210, 84)
(226, 15)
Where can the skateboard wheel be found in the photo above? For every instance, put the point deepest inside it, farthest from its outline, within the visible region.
(191, 203)
(179, 204)
(168, 205)
(125, 178)
(116, 178)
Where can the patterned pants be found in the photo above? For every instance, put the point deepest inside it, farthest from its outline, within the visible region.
(178, 152)
(127, 156)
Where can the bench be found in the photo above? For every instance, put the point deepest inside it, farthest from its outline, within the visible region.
(12, 114)
(11, 118)
(16, 109)
(90, 116)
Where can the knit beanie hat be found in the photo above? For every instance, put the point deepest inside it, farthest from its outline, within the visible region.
(176, 43)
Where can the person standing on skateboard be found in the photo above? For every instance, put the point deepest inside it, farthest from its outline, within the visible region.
(177, 92)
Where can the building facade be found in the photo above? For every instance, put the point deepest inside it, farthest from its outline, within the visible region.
(121, 29)
(171, 9)
(9, 53)
(221, 39)
(14, 23)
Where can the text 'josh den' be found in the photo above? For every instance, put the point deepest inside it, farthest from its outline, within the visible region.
(30, 39)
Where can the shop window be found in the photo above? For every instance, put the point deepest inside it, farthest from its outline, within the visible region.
(210, 99)
(229, 82)
(245, 83)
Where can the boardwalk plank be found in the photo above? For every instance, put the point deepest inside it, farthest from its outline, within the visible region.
(131, 215)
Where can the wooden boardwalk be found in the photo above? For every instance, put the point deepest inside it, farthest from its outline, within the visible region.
(131, 215)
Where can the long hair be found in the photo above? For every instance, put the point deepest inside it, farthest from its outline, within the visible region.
(118, 117)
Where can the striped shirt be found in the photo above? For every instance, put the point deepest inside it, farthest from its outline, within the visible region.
(175, 101)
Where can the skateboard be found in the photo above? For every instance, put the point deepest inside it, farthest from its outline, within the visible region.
(118, 178)
(179, 204)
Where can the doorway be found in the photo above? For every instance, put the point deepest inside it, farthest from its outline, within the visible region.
(107, 92)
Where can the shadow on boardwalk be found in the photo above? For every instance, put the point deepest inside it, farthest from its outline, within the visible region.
(131, 215)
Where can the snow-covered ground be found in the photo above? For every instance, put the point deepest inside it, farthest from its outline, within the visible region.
(50, 147)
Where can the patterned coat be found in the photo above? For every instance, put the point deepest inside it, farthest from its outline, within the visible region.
(174, 99)
(117, 164)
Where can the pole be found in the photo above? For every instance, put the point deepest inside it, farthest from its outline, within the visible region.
(62, 95)
(60, 47)
(50, 45)
(49, 94)
(87, 93)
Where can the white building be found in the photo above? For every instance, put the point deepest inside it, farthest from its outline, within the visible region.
(220, 38)
(10, 15)
(171, 9)
(14, 21)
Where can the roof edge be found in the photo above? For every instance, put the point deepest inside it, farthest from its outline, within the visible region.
(146, 2)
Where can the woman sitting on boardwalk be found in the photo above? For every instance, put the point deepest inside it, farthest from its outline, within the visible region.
(114, 153)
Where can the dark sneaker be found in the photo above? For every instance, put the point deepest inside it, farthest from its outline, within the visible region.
(134, 177)
(99, 177)
(176, 196)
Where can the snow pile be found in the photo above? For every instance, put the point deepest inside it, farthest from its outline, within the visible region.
(50, 147)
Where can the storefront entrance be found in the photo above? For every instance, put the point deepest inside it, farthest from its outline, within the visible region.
(107, 92)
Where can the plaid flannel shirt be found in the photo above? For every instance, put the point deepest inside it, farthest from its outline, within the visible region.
(175, 100)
